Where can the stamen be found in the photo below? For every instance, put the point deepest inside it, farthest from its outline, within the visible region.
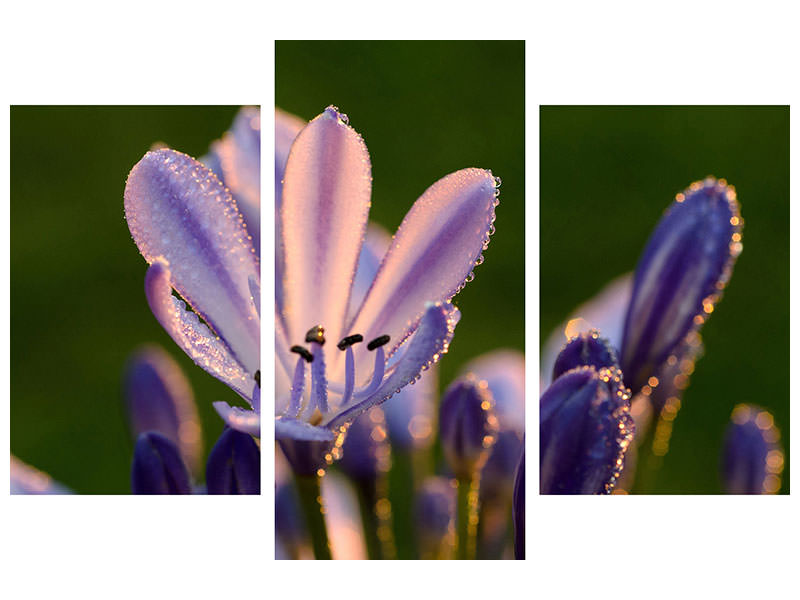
(302, 352)
(297, 385)
(349, 375)
(319, 383)
(257, 377)
(378, 342)
(350, 340)
(349, 365)
(316, 335)
(377, 374)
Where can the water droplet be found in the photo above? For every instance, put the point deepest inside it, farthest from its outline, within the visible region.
(497, 182)
(343, 118)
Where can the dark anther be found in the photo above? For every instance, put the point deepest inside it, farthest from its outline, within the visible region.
(349, 341)
(303, 352)
(316, 335)
(257, 377)
(377, 342)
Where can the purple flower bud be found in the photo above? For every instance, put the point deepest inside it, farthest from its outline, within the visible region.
(435, 509)
(680, 277)
(518, 509)
(752, 459)
(366, 452)
(158, 467)
(587, 348)
(497, 475)
(467, 425)
(234, 465)
(159, 398)
(585, 430)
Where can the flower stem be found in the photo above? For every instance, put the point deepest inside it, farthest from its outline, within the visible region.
(311, 504)
(376, 519)
(647, 463)
(467, 516)
(401, 495)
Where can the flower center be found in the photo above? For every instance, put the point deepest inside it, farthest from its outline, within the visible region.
(315, 357)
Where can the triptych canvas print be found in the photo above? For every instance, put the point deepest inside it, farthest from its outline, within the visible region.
(385, 384)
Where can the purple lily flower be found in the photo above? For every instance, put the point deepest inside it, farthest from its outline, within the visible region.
(26, 479)
(191, 231)
(159, 398)
(585, 430)
(752, 459)
(338, 357)
(652, 319)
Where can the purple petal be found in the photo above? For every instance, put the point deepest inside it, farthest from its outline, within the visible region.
(585, 430)
(605, 312)
(375, 246)
(752, 459)
(685, 265)
(239, 155)
(159, 398)
(429, 342)
(431, 256)
(158, 467)
(178, 210)
(234, 465)
(193, 336)
(240, 419)
(295, 429)
(467, 426)
(504, 371)
(27, 480)
(326, 198)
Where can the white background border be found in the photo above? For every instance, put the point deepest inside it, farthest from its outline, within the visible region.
(222, 53)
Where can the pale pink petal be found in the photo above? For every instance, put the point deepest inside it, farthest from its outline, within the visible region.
(326, 199)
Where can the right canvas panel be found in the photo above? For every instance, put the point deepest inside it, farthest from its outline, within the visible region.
(664, 299)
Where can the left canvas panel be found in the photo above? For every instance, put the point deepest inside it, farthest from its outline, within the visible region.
(135, 290)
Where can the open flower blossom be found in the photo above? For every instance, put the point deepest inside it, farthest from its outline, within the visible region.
(196, 237)
(342, 346)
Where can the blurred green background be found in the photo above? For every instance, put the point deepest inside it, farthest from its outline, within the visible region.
(426, 109)
(607, 173)
(77, 284)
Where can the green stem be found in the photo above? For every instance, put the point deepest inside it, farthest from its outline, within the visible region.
(369, 519)
(647, 463)
(401, 495)
(311, 504)
(467, 517)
